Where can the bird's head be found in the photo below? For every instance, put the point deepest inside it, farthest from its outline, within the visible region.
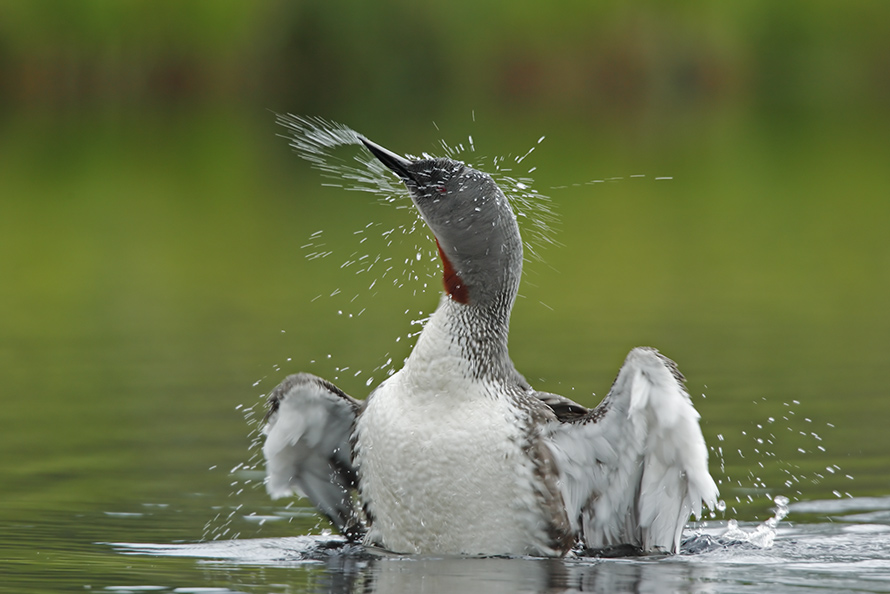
(474, 226)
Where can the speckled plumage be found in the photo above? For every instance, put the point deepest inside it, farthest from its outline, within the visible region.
(449, 460)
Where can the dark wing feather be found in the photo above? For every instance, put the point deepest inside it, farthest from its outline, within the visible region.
(565, 409)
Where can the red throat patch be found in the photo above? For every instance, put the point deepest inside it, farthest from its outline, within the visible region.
(454, 284)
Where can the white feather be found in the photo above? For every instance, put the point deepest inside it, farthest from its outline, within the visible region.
(440, 461)
(636, 473)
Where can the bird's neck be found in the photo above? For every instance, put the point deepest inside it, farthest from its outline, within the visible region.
(469, 340)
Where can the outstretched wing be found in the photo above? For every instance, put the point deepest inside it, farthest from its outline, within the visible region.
(635, 467)
(307, 449)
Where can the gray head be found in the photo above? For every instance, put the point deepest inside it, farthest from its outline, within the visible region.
(473, 223)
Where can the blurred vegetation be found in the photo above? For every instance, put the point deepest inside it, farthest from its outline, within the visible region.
(594, 60)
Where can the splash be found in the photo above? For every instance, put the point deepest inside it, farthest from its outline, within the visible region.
(704, 539)
(764, 534)
(316, 140)
(784, 429)
(326, 146)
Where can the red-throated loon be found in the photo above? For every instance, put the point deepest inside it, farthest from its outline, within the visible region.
(456, 453)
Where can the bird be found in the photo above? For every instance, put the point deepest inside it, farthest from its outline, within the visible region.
(456, 453)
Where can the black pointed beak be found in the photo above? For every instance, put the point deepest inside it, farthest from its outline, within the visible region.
(400, 165)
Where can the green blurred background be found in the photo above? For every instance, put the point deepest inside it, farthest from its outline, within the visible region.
(152, 228)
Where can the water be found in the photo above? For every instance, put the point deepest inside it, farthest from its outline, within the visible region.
(154, 290)
(845, 554)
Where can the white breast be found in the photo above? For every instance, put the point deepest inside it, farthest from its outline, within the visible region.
(441, 463)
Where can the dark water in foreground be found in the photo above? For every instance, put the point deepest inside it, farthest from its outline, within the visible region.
(847, 554)
(159, 277)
